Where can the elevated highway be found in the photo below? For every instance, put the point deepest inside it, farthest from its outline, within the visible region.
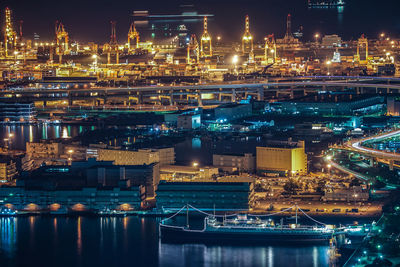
(358, 147)
(220, 92)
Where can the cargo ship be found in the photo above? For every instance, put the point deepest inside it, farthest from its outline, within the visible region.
(188, 13)
(242, 229)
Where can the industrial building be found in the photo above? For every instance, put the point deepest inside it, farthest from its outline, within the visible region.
(234, 162)
(209, 195)
(284, 158)
(8, 170)
(329, 41)
(17, 112)
(187, 173)
(355, 193)
(393, 106)
(327, 104)
(232, 111)
(72, 199)
(164, 156)
(189, 121)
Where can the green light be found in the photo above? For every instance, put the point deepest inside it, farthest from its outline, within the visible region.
(378, 246)
(11, 194)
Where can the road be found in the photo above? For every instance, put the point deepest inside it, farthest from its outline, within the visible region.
(357, 146)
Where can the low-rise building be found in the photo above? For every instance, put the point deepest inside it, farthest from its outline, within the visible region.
(187, 173)
(205, 195)
(316, 131)
(8, 170)
(44, 150)
(330, 41)
(164, 156)
(107, 175)
(393, 106)
(232, 162)
(189, 121)
(356, 193)
(232, 111)
(72, 199)
(128, 157)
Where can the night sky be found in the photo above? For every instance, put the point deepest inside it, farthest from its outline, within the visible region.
(87, 20)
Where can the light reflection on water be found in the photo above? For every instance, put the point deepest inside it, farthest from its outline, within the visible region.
(34, 133)
(131, 241)
(8, 235)
(201, 255)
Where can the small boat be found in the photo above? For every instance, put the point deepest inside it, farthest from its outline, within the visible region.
(6, 212)
(112, 213)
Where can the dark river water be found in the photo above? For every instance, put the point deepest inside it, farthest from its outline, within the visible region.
(192, 149)
(130, 241)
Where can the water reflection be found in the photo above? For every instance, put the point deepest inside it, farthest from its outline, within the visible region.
(79, 236)
(34, 133)
(8, 235)
(202, 255)
(196, 143)
(65, 133)
(30, 133)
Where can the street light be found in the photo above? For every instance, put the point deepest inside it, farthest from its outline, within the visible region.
(316, 36)
(195, 164)
(328, 63)
(70, 155)
(15, 56)
(95, 61)
(235, 60)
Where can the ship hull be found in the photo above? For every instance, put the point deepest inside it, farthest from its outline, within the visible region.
(179, 235)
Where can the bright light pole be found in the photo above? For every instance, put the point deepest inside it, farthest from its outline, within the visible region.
(70, 152)
(328, 63)
(15, 56)
(316, 36)
(235, 60)
(95, 61)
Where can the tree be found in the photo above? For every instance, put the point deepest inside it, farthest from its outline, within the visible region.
(321, 186)
(291, 187)
(355, 182)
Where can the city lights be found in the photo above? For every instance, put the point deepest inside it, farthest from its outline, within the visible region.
(192, 125)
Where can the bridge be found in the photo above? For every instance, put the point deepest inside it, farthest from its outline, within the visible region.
(211, 93)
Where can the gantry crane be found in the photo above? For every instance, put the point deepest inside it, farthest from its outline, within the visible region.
(205, 41)
(10, 35)
(62, 41)
(112, 48)
(247, 40)
(270, 49)
(289, 35)
(192, 48)
(133, 35)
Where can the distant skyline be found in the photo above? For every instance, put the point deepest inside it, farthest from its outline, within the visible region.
(88, 20)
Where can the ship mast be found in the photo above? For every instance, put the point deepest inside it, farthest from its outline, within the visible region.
(187, 215)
